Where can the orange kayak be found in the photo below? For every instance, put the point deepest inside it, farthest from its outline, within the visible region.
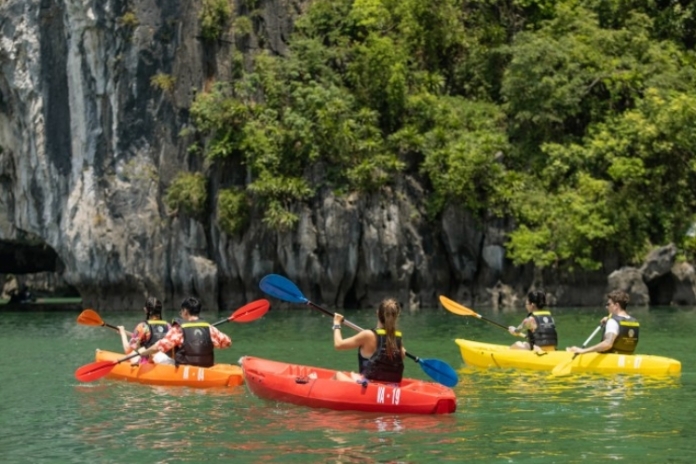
(315, 388)
(220, 375)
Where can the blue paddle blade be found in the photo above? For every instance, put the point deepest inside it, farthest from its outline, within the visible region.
(439, 371)
(282, 288)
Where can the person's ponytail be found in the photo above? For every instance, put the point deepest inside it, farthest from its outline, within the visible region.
(388, 313)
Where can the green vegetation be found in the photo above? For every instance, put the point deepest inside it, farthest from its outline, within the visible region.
(188, 194)
(232, 210)
(129, 19)
(164, 82)
(243, 26)
(135, 169)
(573, 118)
(214, 15)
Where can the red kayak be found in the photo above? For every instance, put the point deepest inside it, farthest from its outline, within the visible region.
(315, 388)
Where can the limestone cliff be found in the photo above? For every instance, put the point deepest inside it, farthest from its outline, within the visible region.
(88, 146)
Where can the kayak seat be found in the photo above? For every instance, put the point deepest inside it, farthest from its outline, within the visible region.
(294, 370)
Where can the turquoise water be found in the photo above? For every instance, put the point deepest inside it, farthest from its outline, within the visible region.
(503, 416)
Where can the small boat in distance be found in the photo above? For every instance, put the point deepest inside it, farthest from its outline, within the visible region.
(42, 304)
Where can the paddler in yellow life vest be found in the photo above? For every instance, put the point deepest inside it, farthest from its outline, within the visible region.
(147, 333)
(620, 329)
(539, 326)
(380, 351)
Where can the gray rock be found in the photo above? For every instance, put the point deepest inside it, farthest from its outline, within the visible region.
(630, 280)
(685, 284)
(659, 262)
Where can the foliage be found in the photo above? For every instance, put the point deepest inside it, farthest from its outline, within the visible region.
(188, 194)
(566, 226)
(461, 148)
(598, 115)
(214, 15)
(571, 117)
(164, 82)
(243, 26)
(232, 210)
(129, 19)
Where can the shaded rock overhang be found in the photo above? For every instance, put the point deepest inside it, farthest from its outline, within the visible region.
(23, 258)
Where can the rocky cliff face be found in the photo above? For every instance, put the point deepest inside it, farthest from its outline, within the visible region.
(88, 146)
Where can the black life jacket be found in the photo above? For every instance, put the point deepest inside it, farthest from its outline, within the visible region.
(197, 348)
(627, 339)
(545, 333)
(380, 367)
(158, 329)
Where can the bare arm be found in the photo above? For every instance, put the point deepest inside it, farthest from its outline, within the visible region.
(174, 338)
(527, 324)
(220, 339)
(356, 341)
(124, 341)
(602, 346)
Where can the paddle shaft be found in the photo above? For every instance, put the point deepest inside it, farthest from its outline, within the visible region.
(492, 322)
(351, 325)
(104, 324)
(592, 336)
(129, 333)
(565, 368)
(589, 339)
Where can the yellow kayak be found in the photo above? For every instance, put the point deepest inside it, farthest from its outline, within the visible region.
(489, 355)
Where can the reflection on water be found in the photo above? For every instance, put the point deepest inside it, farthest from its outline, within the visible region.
(117, 414)
(535, 410)
(512, 381)
(301, 433)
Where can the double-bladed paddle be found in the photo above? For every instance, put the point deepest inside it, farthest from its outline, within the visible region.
(247, 313)
(565, 368)
(284, 289)
(90, 317)
(456, 308)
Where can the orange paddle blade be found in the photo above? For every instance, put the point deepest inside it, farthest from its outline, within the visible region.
(456, 308)
(97, 370)
(250, 311)
(94, 371)
(89, 317)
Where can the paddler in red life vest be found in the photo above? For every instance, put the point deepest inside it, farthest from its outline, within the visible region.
(193, 338)
(539, 326)
(147, 333)
(620, 329)
(380, 351)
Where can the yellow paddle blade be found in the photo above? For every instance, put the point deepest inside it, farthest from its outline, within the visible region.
(564, 368)
(456, 308)
(89, 317)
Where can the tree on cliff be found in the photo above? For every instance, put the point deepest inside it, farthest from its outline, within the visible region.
(574, 118)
